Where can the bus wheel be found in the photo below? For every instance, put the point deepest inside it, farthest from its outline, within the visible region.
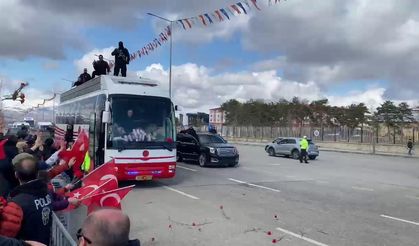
(202, 160)
(179, 158)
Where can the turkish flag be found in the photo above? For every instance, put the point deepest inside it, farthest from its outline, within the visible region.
(91, 190)
(110, 198)
(102, 173)
(79, 150)
(2, 152)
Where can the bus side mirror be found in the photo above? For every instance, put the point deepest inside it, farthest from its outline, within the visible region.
(106, 117)
(176, 108)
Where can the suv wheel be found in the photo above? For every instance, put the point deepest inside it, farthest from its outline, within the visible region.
(202, 160)
(295, 154)
(271, 151)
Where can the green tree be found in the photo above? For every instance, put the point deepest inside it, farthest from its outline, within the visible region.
(233, 110)
(389, 114)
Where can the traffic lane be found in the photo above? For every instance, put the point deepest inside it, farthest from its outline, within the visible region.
(397, 171)
(335, 215)
(348, 196)
(174, 219)
(271, 174)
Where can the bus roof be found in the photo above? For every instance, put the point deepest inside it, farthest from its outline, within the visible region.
(115, 85)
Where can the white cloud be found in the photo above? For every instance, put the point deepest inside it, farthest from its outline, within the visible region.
(196, 89)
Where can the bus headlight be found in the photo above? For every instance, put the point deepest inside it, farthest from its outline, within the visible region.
(172, 167)
(212, 150)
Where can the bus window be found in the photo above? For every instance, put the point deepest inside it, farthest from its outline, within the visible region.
(140, 122)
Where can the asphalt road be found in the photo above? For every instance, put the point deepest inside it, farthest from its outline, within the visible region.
(339, 199)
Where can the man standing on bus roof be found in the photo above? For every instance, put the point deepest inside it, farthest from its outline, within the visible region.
(83, 78)
(121, 60)
(101, 67)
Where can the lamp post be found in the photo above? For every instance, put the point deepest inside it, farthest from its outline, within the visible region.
(171, 48)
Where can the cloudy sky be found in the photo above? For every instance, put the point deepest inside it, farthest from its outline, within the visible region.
(348, 51)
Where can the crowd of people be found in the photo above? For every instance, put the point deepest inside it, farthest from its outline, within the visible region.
(101, 67)
(34, 182)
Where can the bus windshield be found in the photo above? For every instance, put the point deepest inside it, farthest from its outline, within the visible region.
(140, 122)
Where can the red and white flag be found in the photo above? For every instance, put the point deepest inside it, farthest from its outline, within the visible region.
(91, 190)
(110, 198)
(79, 150)
(103, 173)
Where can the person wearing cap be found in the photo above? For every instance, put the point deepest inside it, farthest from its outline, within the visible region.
(303, 149)
(33, 197)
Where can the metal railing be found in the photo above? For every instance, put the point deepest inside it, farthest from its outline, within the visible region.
(59, 234)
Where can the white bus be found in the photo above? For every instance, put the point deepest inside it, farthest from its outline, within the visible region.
(129, 119)
(30, 121)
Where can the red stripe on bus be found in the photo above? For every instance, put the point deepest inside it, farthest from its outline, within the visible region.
(144, 158)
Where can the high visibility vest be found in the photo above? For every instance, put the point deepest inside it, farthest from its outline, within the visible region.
(304, 144)
(85, 166)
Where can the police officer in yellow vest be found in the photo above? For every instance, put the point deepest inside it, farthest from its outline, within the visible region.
(303, 149)
(86, 165)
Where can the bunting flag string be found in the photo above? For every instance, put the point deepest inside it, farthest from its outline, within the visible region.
(202, 20)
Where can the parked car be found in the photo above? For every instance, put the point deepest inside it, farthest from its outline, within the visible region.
(290, 147)
(208, 149)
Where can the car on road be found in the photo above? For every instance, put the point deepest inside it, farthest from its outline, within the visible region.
(290, 147)
(206, 148)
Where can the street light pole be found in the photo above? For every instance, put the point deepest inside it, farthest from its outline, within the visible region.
(171, 50)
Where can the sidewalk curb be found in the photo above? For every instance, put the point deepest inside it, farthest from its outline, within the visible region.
(334, 150)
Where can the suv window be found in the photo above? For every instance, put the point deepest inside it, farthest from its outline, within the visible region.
(291, 141)
(210, 139)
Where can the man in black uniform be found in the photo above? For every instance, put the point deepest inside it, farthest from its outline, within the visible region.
(84, 77)
(101, 67)
(121, 60)
(32, 196)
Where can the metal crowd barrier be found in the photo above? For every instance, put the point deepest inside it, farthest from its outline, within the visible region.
(59, 234)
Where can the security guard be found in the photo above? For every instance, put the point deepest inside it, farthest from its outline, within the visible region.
(304, 148)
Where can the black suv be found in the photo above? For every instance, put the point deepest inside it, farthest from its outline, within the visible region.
(207, 149)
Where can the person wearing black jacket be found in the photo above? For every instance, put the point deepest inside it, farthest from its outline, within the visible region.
(5, 241)
(121, 60)
(83, 78)
(33, 197)
(101, 67)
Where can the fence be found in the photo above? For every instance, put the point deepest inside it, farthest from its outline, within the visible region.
(327, 134)
(59, 234)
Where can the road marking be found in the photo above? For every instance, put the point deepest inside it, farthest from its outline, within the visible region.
(181, 192)
(362, 188)
(186, 168)
(402, 220)
(274, 164)
(413, 197)
(290, 176)
(254, 185)
(301, 237)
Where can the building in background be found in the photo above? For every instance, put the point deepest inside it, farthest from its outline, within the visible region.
(197, 119)
(181, 119)
(217, 117)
